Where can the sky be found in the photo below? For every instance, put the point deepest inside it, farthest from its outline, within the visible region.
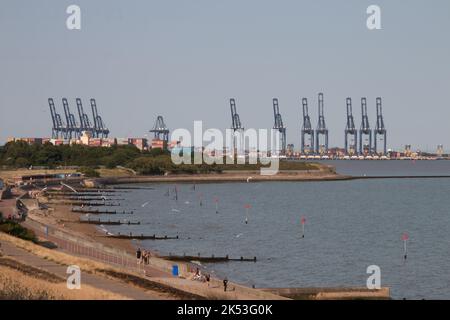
(184, 60)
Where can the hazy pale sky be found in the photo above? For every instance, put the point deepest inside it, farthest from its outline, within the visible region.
(185, 59)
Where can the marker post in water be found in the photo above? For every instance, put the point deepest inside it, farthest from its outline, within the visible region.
(303, 222)
(247, 207)
(405, 238)
(216, 200)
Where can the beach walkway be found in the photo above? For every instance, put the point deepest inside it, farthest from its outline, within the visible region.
(110, 285)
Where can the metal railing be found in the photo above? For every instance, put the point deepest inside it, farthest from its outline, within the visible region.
(97, 251)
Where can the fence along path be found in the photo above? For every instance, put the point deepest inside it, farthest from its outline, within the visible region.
(99, 252)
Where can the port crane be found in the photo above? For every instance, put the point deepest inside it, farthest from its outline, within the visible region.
(350, 130)
(364, 130)
(72, 127)
(85, 123)
(100, 130)
(307, 130)
(235, 120)
(235, 123)
(380, 130)
(278, 125)
(59, 129)
(321, 129)
(160, 130)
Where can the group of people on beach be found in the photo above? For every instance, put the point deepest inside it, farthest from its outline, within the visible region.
(198, 276)
(143, 256)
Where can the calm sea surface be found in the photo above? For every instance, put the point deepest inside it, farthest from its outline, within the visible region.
(349, 226)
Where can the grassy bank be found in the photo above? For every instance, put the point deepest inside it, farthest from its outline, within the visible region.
(15, 229)
(89, 160)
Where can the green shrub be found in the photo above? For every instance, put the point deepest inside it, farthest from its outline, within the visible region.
(89, 172)
(16, 230)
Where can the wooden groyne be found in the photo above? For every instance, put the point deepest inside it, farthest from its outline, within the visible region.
(210, 259)
(90, 211)
(109, 222)
(132, 188)
(72, 198)
(64, 193)
(141, 237)
(86, 204)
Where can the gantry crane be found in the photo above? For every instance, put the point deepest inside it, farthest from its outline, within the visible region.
(160, 130)
(307, 130)
(85, 123)
(364, 130)
(321, 129)
(350, 130)
(59, 129)
(72, 127)
(236, 125)
(278, 125)
(380, 130)
(100, 130)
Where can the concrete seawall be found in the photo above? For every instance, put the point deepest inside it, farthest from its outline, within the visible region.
(186, 270)
(331, 293)
(229, 176)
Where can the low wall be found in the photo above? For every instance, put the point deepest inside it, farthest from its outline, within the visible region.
(331, 293)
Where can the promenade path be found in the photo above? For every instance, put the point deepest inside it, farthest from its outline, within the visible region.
(93, 280)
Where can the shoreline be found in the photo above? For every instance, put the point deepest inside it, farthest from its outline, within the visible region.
(60, 216)
(323, 173)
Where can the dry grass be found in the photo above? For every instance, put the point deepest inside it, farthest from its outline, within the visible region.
(15, 285)
(117, 172)
(13, 173)
(30, 270)
(146, 284)
(88, 266)
(55, 256)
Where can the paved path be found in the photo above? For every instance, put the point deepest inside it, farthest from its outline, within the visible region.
(98, 282)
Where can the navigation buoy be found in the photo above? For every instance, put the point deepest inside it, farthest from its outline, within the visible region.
(216, 200)
(303, 222)
(247, 207)
(405, 238)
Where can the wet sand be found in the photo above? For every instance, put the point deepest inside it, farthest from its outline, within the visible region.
(61, 217)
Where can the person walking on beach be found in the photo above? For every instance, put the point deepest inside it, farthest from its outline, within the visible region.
(225, 283)
(207, 277)
(138, 255)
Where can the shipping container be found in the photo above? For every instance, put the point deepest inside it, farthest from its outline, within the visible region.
(122, 141)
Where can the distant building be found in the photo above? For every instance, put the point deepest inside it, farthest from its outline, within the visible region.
(440, 150)
(407, 151)
(30, 141)
(140, 143)
(159, 144)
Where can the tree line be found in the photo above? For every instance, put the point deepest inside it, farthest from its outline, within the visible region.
(20, 154)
